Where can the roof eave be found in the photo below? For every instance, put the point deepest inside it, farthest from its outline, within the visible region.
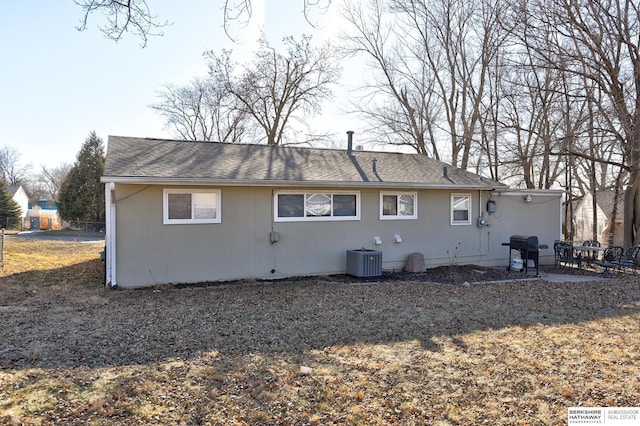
(281, 183)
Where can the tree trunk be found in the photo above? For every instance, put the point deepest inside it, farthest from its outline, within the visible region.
(632, 210)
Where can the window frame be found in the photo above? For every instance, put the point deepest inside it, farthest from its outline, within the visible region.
(468, 221)
(192, 221)
(398, 216)
(305, 218)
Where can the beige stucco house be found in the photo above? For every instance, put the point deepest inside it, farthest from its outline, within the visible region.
(583, 218)
(187, 212)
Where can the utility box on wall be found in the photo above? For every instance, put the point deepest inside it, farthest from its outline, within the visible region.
(364, 263)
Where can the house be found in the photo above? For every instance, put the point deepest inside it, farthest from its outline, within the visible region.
(583, 217)
(187, 212)
(43, 215)
(20, 197)
(44, 204)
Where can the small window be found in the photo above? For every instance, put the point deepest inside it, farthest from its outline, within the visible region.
(187, 206)
(398, 205)
(300, 206)
(461, 209)
(290, 205)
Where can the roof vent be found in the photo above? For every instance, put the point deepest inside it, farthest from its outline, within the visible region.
(349, 142)
(445, 174)
(374, 160)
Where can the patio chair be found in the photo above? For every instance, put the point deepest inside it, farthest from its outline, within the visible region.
(565, 252)
(629, 259)
(557, 250)
(611, 257)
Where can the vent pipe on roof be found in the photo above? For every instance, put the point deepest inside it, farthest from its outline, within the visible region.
(444, 173)
(374, 160)
(349, 142)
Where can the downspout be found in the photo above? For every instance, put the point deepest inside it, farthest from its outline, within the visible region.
(110, 234)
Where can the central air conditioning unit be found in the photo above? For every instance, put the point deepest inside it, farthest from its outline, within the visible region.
(364, 263)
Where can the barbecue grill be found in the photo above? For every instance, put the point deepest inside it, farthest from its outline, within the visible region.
(529, 249)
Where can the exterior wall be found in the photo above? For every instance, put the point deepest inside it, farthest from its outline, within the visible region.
(542, 217)
(583, 220)
(618, 234)
(22, 200)
(148, 252)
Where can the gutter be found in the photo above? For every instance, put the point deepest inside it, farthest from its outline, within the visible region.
(511, 192)
(289, 184)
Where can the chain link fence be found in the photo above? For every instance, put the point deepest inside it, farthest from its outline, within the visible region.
(34, 223)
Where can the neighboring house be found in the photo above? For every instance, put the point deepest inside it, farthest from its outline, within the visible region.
(43, 214)
(186, 212)
(20, 197)
(583, 217)
(44, 204)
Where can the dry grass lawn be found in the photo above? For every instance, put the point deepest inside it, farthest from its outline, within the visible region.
(521, 353)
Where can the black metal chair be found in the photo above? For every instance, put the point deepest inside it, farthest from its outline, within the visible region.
(565, 252)
(629, 259)
(557, 250)
(611, 257)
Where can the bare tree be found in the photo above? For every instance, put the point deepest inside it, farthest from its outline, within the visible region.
(122, 16)
(203, 110)
(51, 179)
(278, 89)
(598, 41)
(12, 170)
(433, 59)
(136, 17)
(398, 100)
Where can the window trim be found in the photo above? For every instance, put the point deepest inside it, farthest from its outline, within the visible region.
(191, 191)
(461, 222)
(331, 218)
(414, 216)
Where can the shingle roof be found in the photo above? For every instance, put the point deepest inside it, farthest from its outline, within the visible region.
(13, 189)
(166, 161)
(605, 200)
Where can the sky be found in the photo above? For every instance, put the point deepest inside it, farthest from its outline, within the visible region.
(58, 84)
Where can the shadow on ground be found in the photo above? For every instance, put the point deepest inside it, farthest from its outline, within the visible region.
(50, 319)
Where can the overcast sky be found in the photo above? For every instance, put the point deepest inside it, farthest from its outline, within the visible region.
(59, 84)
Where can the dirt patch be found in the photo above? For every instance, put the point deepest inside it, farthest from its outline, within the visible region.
(461, 274)
(385, 352)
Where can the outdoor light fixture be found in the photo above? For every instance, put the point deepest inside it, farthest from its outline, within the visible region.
(397, 238)
(528, 198)
(377, 241)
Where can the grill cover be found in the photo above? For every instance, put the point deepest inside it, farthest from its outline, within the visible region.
(521, 242)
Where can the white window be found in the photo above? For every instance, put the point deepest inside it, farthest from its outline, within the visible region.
(301, 206)
(398, 205)
(186, 206)
(461, 209)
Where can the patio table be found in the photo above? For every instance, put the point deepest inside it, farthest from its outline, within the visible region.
(592, 253)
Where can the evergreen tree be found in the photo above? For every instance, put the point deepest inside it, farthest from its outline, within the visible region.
(8, 206)
(81, 195)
